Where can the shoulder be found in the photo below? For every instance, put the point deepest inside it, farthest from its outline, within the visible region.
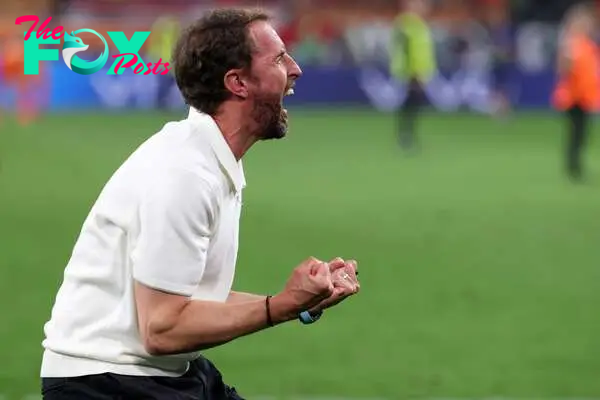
(183, 194)
(179, 146)
(177, 163)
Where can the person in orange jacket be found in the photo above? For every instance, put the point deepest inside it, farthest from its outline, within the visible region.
(577, 92)
(30, 91)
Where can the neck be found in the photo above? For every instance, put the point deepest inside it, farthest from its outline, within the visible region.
(236, 130)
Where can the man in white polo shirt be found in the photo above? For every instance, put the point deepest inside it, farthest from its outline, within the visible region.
(148, 285)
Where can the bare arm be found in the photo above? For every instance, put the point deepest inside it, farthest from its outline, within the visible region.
(172, 324)
(177, 215)
(243, 297)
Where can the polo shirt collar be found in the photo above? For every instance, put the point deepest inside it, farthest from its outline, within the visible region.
(209, 128)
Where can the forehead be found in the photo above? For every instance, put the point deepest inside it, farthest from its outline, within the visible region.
(265, 38)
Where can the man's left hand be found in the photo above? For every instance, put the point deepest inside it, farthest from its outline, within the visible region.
(345, 282)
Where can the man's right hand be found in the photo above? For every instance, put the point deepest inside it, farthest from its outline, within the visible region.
(308, 286)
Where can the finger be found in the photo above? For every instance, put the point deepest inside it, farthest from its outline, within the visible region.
(336, 297)
(338, 292)
(346, 280)
(353, 265)
(347, 273)
(352, 271)
(330, 287)
(343, 280)
(326, 293)
(339, 297)
(336, 264)
(314, 265)
(323, 271)
(323, 280)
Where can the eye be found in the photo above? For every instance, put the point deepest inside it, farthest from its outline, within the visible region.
(280, 58)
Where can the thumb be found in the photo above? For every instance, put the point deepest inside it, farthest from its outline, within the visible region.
(322, 270)
(336, 264)
(323, 277)
(314, 267)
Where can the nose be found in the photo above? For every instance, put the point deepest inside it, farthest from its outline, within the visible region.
(294, 71)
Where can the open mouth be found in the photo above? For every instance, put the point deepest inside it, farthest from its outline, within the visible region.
(288, 92)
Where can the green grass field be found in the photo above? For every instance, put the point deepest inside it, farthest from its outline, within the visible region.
(479, 261)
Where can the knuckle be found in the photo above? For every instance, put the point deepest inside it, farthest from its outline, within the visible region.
(312, 260)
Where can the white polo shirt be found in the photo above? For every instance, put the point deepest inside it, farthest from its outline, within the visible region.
(168, 218)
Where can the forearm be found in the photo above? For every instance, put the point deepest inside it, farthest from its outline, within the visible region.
(200, 325)
(243, 297)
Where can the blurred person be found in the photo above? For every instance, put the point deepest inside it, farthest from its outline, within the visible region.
(30, 92)
(148, 284)
(502, 56)
(578, 87)
(458, 46)
(412, 62)
(162, 40)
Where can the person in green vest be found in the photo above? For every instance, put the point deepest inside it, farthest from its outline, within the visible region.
(413, 63)
(165, 31)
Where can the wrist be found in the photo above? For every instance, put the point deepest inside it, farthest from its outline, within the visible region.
(283, 308)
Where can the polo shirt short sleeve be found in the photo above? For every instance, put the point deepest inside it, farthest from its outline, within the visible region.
(177, 216)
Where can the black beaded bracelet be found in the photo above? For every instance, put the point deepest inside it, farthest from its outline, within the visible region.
(268, 307)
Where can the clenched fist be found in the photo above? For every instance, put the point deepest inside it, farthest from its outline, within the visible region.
(345, 283)
(309, 285)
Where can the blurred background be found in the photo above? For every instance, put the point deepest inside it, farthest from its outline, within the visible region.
(478, 255)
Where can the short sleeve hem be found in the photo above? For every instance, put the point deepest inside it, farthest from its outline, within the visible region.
(169, 287)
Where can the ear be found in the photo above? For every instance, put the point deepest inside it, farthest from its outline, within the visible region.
(235, 81)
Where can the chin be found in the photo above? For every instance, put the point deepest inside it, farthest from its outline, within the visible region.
(277, 128)
(278, 131)
(273, 118)
(282, 125)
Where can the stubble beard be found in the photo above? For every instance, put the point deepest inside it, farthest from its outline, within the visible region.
(269, 117)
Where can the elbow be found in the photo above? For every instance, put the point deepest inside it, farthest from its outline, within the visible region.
(159, 336)
(158, 345)
(167, 331)
(159, 329)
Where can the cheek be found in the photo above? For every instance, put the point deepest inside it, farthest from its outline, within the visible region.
(279, 78)
(273, 80)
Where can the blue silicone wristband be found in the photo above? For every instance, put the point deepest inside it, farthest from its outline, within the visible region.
(307, 318)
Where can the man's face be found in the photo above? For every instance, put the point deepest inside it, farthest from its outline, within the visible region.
(419, 7)
(273, 74)
(587, 23)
